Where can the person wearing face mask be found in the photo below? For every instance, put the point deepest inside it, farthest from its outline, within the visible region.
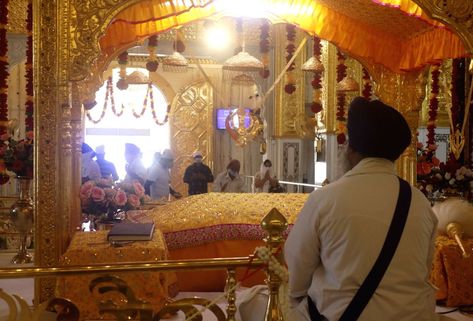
(157, 183)
(197, 175)
(230, 180)
(264, 177)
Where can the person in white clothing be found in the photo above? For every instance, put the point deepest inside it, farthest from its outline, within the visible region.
(230, 180)
(90, 170)
(158, 180)
(135, 169)
(264, 178)
(341, 229)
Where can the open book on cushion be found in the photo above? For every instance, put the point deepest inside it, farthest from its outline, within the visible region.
(131, 232)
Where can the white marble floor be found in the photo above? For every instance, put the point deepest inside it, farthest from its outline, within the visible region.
(25, 289)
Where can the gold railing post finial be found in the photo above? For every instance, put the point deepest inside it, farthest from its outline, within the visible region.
(274, 223)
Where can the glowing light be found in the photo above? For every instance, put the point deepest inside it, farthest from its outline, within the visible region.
(217, 37)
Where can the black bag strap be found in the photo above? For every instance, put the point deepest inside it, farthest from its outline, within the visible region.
(367, 289)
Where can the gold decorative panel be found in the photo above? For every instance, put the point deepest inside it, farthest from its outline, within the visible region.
(191, 129)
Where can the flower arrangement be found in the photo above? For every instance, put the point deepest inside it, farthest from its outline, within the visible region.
(104, 197)
(16, 156)
(434, 177)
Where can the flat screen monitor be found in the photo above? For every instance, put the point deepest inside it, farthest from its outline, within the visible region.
(222, 114)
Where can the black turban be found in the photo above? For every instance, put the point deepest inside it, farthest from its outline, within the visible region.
(376, 129)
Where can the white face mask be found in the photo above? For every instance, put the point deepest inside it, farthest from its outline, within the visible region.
(198, 160)
(232, 173)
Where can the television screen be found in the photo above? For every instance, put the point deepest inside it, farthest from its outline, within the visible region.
(222, 114)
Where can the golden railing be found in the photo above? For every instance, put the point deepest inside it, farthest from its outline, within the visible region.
(274, 224)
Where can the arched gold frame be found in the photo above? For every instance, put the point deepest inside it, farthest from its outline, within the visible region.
(66, 48)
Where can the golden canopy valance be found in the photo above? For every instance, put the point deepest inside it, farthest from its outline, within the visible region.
(394, 33)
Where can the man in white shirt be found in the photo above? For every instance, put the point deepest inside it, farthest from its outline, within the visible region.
(158, 179)
(230, 180)
(339, 233)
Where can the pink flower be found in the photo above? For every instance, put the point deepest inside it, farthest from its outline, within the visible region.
(120, 198)
(109, 193)
(97, 194)
(86, 189)
(134, 200)
(139, 189)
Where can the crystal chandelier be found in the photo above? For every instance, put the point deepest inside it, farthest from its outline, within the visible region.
(175, 63)
(313, 65)
(348, 84)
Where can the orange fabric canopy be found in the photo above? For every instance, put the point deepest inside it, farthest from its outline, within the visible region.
(394, 33)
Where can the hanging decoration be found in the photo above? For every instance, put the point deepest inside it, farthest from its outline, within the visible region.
(264, 47)
(4, 74)
(341, 74)
(108, 96)
(152, 63)
(238, 132)
(123, 62)
(433, 105)
(241, 68)
(316, 67)
(149, 93)
(290, 86)
(367, 86)
(458, 124)
(176, 62)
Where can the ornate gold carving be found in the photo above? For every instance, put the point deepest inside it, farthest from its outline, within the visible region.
(456, 13)
(329, 93)
(17, 16)
(142, 59)
(191, 129)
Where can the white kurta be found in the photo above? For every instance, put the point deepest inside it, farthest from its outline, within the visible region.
(338, 236)
(161, 179)
(136, 167)
(223, 183)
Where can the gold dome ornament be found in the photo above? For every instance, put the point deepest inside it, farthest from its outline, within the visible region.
(175, 63)
(348, 84)
(137, 78)
(313, 65)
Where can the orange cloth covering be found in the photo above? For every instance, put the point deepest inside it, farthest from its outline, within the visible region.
(452, 273)
(394, 33)
(93, 248)
(218, 225)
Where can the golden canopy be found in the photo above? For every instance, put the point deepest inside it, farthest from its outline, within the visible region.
(394, 33)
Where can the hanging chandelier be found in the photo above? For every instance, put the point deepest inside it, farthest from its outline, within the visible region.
(137, 78)
(241, 68)
(313, 65)
(348, 84)
(175, 63)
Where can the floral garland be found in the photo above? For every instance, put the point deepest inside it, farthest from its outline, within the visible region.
(367, 87)
(290, 86)
(433, 105)
(458, 94)
(152, 64)
(149, 93)
(3, 64)
(264, 45)
(108, 95)
(341, 73)
(123, 62)
(316, 83)
(29, 121)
